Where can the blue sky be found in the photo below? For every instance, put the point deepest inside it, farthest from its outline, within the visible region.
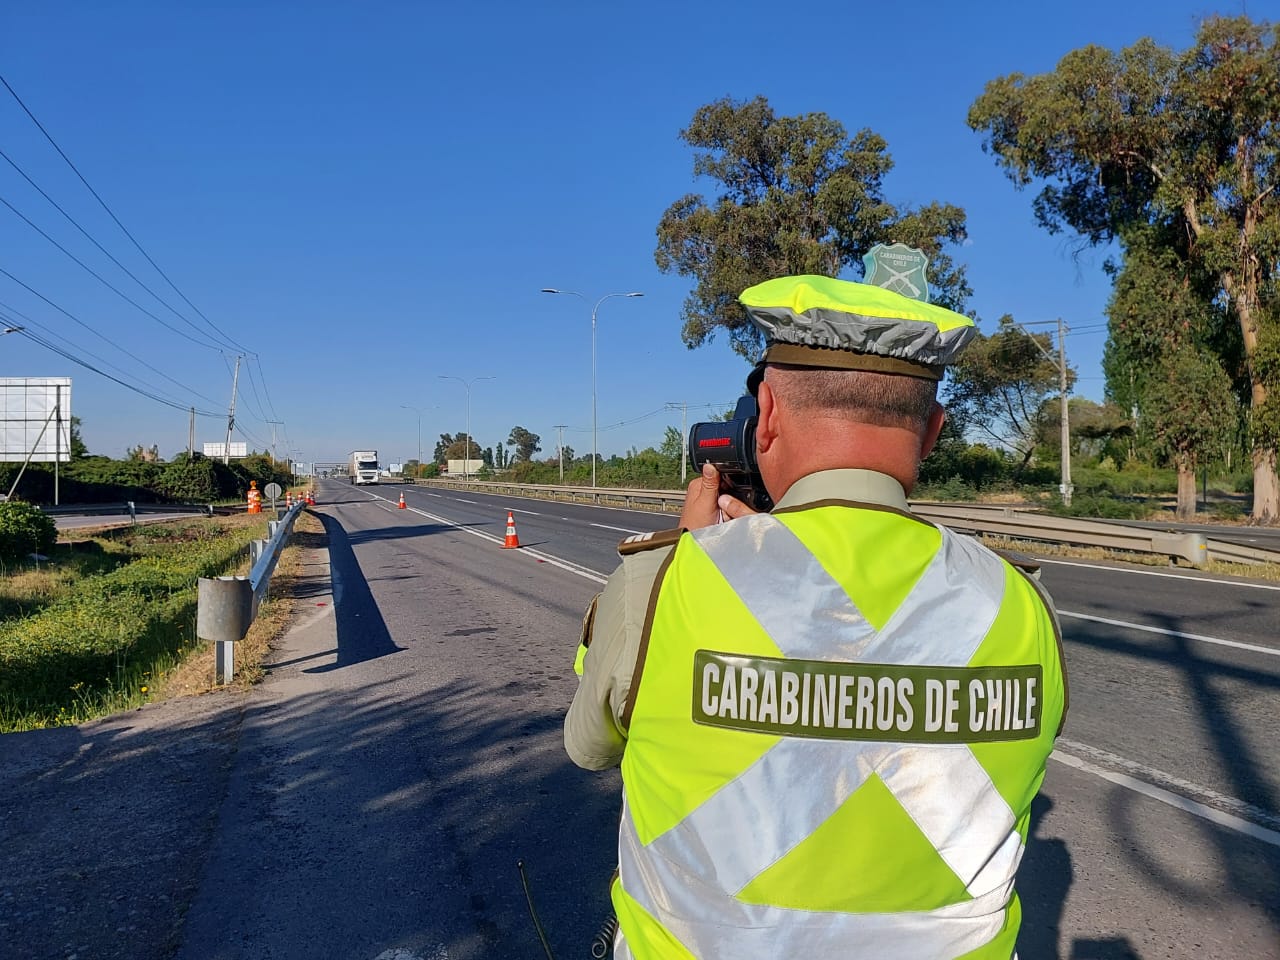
(370, 196)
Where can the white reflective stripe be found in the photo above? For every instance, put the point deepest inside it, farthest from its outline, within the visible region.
(712, 925)
(819, 774)
(928, 623)
(620, 949)
(799, 591)
(965, 820)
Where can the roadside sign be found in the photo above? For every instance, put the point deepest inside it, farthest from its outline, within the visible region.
(899, 268)
(272, 490)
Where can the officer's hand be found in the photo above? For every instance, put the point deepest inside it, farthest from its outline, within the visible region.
(704, 504)
(732, 507)
(700, 506)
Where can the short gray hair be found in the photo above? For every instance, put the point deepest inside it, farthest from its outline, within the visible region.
(879, 399)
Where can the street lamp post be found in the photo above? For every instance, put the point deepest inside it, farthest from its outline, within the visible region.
(466, 451)
(594, 310)
(418, 411)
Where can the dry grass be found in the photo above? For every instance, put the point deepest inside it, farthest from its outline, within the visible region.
(195, 674)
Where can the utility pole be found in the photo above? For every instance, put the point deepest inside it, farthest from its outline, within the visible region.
(1066, 427)
(57, 438)
(684, 440)
(191, 435)
(273, 439)
(560, 449)
(231, 414)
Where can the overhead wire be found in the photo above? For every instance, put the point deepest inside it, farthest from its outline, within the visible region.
(131, 356)
(35, 338)
(25, 321)
(116, 220)
(97, 276)
(70, 219)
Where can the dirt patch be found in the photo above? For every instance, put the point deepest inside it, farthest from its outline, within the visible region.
(194, 675)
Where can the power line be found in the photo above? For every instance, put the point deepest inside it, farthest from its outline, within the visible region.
(70, 219)
(25, 321)
(76, 319)
(93, 273)
(88, 366)
(116, 219)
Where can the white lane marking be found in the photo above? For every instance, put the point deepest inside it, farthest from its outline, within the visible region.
(1241, 809)
(437, 495)
(460, 500)
(1236, 644)
(1159, 573)
(567, 565)
(1205, 812)
(605, 526)
(529, 513)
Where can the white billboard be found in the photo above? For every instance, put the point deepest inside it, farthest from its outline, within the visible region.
(35, 419)
(216, 451)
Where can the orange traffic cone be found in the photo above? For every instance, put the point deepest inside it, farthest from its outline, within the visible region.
(288, 500)
(311, 498)
(402, 503)
(511, 540)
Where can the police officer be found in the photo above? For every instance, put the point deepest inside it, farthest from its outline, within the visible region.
(831, 718)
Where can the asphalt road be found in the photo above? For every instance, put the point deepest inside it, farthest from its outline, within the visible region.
(371, 798)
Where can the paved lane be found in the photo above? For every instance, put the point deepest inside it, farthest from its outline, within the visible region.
(1141, 845)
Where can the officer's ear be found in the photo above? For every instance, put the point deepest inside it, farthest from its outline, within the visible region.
(932, 429)
(767, 420)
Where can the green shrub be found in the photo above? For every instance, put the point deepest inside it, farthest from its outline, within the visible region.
(1227, 511)
(1100, 507)
(97, 645)
(25, 529)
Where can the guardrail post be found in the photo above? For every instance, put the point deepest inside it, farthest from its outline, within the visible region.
(256, 549)
(133, 510)
(224, 610)
(1191, 547)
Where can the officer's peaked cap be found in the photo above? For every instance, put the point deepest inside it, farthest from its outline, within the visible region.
(813, 321)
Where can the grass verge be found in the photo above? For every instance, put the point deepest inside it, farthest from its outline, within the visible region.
(113, 637)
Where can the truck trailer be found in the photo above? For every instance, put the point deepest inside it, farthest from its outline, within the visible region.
(362, 466)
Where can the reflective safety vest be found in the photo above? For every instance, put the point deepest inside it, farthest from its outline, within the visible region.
(841, 717)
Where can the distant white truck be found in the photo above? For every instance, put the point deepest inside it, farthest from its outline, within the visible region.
(362, 466)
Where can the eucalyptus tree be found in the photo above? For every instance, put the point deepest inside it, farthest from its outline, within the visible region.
(1150, 137)
(793, 195)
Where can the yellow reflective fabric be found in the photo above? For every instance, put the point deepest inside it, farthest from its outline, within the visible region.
(664, 786)
(804, 293)
(842, 865)
(1026, 636)
(646, 937)
(878, 568)
(578, 658)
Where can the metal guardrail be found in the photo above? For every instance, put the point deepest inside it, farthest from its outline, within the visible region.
(996, 519)
(227, 606)
(130, 508)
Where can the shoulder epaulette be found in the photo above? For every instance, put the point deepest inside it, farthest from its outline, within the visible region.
(1019, 560)
(649, 541)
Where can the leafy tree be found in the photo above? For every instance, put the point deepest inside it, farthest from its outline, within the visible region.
(1000, 385)
(487, 457)
(1189, 409)
(500, 458)
(526, 443)
(672, 444)
(1149, 136)
(78, 450)
(795, 195)
(443, 444)
(462, 448)
(149, 454)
